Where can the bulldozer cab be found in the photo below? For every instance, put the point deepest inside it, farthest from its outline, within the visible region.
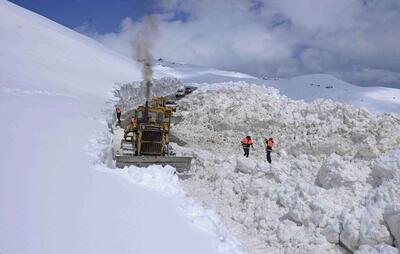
(156, 116)
(158, 101)
(153, 130)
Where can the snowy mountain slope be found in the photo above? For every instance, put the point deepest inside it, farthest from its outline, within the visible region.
(39, 54)
(310, 87)
(307, 87)
(55, 96)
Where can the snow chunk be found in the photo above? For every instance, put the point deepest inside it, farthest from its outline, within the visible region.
(392, 219)
(245, 165)
(367, 152)
(335, 172)
(332, 231)
(363, 227)
(386, 167)
(372, 230)
(377, 249)
(350, 234)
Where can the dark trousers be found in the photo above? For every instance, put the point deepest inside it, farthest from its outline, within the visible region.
(269, 150)
(246, 151)
(119, 116)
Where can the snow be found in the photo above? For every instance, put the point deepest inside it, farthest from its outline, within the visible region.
(333, 184)
(333, 175)
(307, 87)
(192, 72)
(56, 193)
(378, 249)
(165, 181)
(336, 172)
(387, 167)
(245, 165)
(392, 218)
(311, 87)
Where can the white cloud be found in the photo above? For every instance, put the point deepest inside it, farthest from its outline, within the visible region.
(348, 38)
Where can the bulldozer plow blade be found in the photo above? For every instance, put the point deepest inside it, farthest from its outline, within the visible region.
(182, 164)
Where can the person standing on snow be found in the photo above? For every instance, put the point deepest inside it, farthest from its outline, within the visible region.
(246, 143)
(268, 149)
(131, 127)
(118, 111)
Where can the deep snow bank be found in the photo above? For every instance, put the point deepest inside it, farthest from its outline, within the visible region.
(132, 94)
(328, 185)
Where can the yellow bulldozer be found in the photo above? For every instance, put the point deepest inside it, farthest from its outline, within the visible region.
(146, 140)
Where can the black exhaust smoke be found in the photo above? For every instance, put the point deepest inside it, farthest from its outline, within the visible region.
(144, 37)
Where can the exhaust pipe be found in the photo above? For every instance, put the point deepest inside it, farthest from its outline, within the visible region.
(146, 112)
(148, 86)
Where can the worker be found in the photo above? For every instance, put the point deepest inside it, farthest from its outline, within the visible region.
(268, 149)
(246, 143)
(168, 150)
(131, 127)
(133, 120)
(119, 111)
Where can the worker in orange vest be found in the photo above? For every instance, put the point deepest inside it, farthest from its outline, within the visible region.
(119, 111)
(131, 127)
(268, 149)
(246, 143)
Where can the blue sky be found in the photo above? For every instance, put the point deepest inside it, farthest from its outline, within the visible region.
(354, 40)
(102, 15)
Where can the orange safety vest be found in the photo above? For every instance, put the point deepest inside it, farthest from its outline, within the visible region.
(247, 141)
(118, 110)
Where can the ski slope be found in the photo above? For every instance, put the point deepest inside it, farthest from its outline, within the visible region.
(55, 96)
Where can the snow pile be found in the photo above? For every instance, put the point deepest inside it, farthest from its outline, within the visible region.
(387, 167)
(378, 249)
(333, 180)
(225, 114)
(336, 172)
(131, 94)
(392, 218)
